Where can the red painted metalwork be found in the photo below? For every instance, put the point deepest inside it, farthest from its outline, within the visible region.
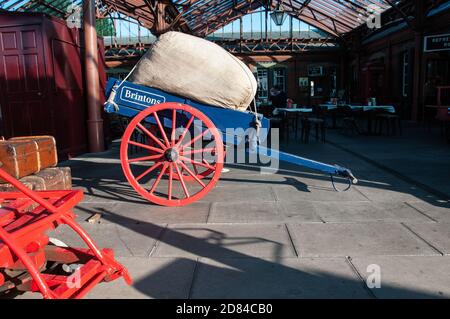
(25, 217)
(172, 156)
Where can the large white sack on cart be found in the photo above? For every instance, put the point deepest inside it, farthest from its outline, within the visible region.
(197, 69)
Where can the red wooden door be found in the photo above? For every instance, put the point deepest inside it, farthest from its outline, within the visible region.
(23, 85)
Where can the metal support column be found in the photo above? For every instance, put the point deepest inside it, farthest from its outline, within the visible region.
(417, 105)
(241, 33)
(95, 121)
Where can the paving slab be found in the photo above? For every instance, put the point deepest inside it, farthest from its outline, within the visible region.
(240, 193)
(245, 278)
(393, 193)
(292, 193)
(236, 177)
(408, 276)
(437, 210)
(159, 278)
(127, 240)
(150, 213)
(299, 212)
(221, 240)
(250, 212)
(356, 239)
(437, 234)
(367, 211)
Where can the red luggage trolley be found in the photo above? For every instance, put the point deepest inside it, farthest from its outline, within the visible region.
(29, 262)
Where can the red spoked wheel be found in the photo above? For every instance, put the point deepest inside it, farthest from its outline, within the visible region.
(179, 165)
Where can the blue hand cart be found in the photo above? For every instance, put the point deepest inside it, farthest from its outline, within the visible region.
(181, 143)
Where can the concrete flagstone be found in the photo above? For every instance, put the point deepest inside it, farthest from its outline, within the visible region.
(237, 240)
(407, 276)
(437, 234)
(286, 278)
(155, 278)
(357, 239)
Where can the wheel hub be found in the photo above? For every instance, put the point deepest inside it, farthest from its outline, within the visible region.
(171, 155)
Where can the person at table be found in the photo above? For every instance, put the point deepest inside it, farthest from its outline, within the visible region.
(278, 97)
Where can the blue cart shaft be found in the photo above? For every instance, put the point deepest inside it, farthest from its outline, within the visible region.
(305, 162)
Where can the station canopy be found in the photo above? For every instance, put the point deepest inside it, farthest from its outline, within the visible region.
(203, 17)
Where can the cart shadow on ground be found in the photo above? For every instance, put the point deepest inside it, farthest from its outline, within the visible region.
(224, 273)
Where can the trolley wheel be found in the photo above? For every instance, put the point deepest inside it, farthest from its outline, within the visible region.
(164, 173)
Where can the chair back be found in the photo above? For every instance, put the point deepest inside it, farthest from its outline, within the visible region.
(442, 114)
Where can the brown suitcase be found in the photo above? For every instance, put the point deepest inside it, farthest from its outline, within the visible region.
(56, 178)
(46, 145)
(6, 187)
(19, 158)
(67, 173)
(36, 183)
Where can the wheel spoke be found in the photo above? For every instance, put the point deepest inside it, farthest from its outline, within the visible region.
(163, 170)
(185, 159)
(145, 158)
(174, 125)
(195, 139)
(161, 128)
(195, 169)
(209, 149)
(153, 137)
(183, 185)
(192, 174)
(188, 126)
(148, 147)
(169, 191)
(148, 171)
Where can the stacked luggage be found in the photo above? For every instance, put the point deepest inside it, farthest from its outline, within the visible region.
(33, 160)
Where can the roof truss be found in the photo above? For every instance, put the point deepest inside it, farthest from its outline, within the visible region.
(203, 17)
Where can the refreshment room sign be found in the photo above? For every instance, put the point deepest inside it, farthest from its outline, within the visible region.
(440, 42)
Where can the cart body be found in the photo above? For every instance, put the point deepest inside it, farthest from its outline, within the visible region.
(132, 99)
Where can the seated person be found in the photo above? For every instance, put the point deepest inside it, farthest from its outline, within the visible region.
(278, 97)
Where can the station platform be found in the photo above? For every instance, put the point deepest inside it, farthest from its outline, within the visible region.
(288, 235)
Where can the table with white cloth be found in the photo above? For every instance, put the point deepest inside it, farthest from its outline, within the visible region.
(359, 108)
(292, 110)
(387, 108)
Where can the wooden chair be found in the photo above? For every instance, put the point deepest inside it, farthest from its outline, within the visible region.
(319, 126)
(444, 120)
(349, 121)
(390, 121)
(290, 120)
